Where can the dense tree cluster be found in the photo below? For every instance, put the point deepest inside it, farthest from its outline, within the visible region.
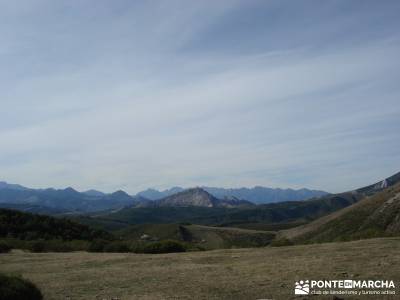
(26, 226)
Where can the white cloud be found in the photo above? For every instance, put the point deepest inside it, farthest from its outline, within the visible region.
(144, 112)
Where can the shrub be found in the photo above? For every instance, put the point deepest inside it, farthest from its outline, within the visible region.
(97, 246)
(16, 288)
(116, 247)
(191, 248)
(38, 246)
(4, 247)
(58, 246)
(168, 246)
(78, 245)
(281, 242)
(46, 245)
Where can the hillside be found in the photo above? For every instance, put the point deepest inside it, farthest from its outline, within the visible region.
(155, 215)
(277, 213)
(376, 215)
(205, 237)
(225, 237)
(199, 207)
(26, 226)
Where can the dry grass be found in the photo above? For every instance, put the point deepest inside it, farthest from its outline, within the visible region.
(261, 273)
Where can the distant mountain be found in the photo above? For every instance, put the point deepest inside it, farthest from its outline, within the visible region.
(63, 200)
(190, 197)
(261, 194)
(5, 185)
(179, 208)
(258, 194)
(55, 201)
(94, 193)
(199, 197)
(153, 194)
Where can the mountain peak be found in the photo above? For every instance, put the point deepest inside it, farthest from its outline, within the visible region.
(198, 196)
(257, 194)
(94, 193)
(70, 190)
(154, 194)
(120, 193)
(197, 189)
(191, 197)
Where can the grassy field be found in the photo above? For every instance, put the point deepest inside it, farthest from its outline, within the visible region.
(259, 273)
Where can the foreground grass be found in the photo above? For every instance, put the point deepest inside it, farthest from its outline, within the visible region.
(260, 273)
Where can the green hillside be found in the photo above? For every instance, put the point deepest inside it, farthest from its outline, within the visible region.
(375, 216)
(284, 213)
(20, 225)
(205, 237)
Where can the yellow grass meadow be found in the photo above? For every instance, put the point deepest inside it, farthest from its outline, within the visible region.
(258, 273)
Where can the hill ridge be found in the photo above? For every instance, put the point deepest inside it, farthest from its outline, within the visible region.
(376, 215)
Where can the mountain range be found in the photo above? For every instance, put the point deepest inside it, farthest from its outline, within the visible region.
(257, 194)
(194, 215)
(54, 201)
(197, 206)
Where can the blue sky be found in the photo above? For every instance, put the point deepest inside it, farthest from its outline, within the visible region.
(135, 94)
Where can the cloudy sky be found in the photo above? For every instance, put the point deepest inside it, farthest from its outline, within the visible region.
(135, 94)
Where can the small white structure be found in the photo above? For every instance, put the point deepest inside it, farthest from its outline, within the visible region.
(384, 184)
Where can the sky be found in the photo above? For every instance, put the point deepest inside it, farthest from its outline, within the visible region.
(136, 94)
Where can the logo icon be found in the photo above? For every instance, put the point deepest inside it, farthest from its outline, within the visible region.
(302, 287)
(348, 284)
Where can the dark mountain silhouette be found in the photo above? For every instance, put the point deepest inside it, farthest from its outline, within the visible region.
(53, 201)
